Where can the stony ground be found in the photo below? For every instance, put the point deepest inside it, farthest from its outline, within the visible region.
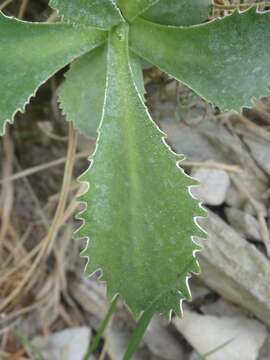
(48, 310)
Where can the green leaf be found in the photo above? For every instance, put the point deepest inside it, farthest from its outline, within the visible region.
(225, 61)
(82, 94)
(136, 66)
(30, 53)
(98, 13)
(140, 216)
(132, 8)
(178, 12)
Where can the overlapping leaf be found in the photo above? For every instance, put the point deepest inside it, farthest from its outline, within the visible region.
(30, 53)
(140, 215)
(132, 8)
(99, 13)
(225, 61)
(178, 12)
(82, 94)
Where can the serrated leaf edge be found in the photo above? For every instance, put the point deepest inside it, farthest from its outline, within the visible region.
(235, 13)
(202, 234)
(21, 108)
(66, 21)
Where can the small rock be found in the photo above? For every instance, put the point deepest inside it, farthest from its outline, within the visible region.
(69, 344)
(222, 308)
(198, 291)
(265, 350)
(249, 208)
(214, 185)
(182, 139)
(235, 269)
(161, 342)
(118, 337)
(234, 198)
(244, 223)
(194, 356)
(91, 295)
(260, 150)
(242, 337)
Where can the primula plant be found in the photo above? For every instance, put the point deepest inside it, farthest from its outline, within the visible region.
(140, 216)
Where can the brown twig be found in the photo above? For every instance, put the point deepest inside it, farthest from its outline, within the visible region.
(22, 9)
(36, 169)
(212, 165)
(5, 4)
(7, 195)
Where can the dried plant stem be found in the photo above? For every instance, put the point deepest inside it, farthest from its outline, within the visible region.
(5, 4)
(65, 187)
(240, 6)
(212, 165)
(42, 167)
(22, 9)
(256, 129)
(47, 242)
(7, 195)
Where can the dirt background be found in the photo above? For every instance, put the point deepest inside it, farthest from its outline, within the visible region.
(49, 310)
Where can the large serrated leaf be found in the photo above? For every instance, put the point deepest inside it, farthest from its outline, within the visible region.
(99, 13)
(30, 53)
(140, 215)
(225, 61)
(178, 12)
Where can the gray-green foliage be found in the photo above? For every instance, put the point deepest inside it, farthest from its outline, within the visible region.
(146, 226)
(82, 94)
(31, 53)
(140, 216)
(178, 12)
(225, 61)
(98, 13)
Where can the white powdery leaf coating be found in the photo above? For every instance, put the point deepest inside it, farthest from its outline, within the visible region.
(103, 14)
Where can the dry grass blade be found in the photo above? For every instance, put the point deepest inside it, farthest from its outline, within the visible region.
(7, 194)
(254, 128)
(5, 4)
(22, 9)
(35, 169)
(47, 242)
(212, 165)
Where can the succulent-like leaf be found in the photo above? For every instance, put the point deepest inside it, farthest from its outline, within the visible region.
(178, 12)
(132, 8)
(226, 61)
(140, 216)
(30, 53)
(82, 93)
